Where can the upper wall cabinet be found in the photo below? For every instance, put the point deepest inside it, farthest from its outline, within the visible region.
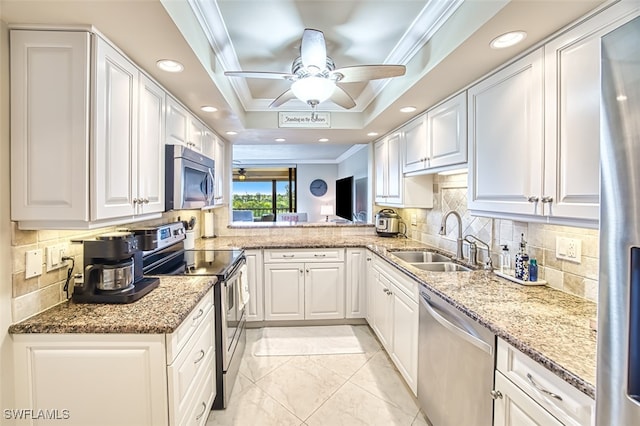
(75, 141)
(438, 139)
(392, 188)
(534, 129)
(182, 127)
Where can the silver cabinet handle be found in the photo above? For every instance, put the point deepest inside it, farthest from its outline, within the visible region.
(204, 409)
(320, 255)
(541, 389)
(547, 199)
(496, 394)
(533, 199)
(201, 357)
(288, 256)
(198, 315)
(135, 201)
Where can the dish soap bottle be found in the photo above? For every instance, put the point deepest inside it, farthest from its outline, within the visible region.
(505, 260)
(533, 270)
(522, 261)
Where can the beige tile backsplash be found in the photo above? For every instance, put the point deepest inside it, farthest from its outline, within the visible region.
(450, 192)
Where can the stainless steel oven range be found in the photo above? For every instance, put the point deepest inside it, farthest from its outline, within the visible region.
(229, 266)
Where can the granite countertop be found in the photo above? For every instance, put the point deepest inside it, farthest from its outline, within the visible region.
(548, 325)
(161, 311)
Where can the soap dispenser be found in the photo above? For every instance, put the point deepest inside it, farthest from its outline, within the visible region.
(505, 259)
(522, 261)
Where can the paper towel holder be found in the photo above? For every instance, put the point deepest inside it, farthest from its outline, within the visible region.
(208, 227)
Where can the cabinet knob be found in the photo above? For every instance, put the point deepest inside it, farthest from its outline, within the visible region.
(145, 201)
(307, 271)
(496, 394)
(547, 199)
(301, 271)
(533, 199)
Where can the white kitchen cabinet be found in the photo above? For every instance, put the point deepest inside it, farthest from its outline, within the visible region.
(221, 172)
(391, 187)
(372, 277)
(284, 291)
(572, 115)
(527, 393)
(438, 139)
(255, 306)
(304, 284)
(182, 127)
(393, 314)
(356, 283)
(136, 379)
(506, 138)
(77, 103)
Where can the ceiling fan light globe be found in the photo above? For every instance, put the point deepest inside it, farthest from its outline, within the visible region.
(313, 89)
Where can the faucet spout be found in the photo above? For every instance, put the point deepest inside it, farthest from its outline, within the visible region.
(443, 231)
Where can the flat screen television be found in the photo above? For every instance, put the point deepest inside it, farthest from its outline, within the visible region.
(344, 198)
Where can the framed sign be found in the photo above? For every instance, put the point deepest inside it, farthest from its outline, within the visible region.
(309, 119)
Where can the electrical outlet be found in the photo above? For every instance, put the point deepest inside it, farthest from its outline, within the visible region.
(33, 263)
(569, 249)
(414, 219)
(54, 255)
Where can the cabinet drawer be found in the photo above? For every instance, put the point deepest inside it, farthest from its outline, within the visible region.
(177, 340)
(307, 255)
(199, 407)
(185, 373)
(565, 402)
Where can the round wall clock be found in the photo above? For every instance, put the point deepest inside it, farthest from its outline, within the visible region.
(318, 187)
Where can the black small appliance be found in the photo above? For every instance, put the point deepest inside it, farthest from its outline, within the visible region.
(113, 270)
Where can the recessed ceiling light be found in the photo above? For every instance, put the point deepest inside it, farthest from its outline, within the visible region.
(372, 134)
(280, 139)
(508, 39)
(170, 65)
(323, 140)
(231, 133)
(208, 108)
(408, 109)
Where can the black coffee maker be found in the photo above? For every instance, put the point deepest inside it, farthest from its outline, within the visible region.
(113, 270)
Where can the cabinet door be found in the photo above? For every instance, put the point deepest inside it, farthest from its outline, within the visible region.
(150, 148)
(505, 138)
(416, 145)
(356, 283)
(255, 307)
(195, 133)
(572, 116)
(324, 290)
(372, 286)
(116, 106)
(381, 170)
(383, 311)
(176, 123)
(50, 125)
(284, 291)
(221, 171)
(447, 132)
(405, 337)
(515, 408)
(394, 169)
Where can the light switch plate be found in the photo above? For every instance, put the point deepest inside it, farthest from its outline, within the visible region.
(33, 263)
(414, 219)
(54, 256)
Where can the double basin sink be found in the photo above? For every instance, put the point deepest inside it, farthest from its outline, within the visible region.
(429, 261)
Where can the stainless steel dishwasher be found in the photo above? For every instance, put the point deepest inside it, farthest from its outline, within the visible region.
(456, 361)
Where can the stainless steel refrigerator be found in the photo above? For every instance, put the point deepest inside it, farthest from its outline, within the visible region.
(618, 377)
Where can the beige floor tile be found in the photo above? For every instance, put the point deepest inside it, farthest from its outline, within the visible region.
(256, 367)
(353, 406)
(301, 385)
(380, 377)
(344, 365)
(250, 406)
(420, 420)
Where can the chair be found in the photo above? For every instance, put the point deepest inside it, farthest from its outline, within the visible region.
(242, 216)
(269, 217)
(291, 217)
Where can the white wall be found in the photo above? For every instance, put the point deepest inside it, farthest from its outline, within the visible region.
(6, 368)
(307, 203)
(356, 165)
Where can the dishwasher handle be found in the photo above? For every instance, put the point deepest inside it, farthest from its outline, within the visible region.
(463, 334)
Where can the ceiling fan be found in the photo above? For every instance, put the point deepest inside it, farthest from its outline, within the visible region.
(314, 75)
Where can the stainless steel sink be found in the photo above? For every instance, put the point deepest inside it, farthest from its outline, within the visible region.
(441, 267)
(420, 256)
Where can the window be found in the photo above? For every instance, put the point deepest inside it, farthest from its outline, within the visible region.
(264, 191)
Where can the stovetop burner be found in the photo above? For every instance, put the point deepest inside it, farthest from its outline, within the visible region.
(211, 262)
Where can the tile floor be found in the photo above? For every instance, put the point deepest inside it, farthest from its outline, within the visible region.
(359, 389)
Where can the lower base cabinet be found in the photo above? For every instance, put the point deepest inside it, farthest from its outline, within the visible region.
(119, 379)
(526, 393)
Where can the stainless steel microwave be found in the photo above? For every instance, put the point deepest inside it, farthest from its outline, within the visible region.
(189, 179)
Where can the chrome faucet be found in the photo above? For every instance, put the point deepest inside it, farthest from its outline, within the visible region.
(473, 251)
(443, 231)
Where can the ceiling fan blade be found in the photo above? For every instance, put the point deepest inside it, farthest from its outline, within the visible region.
(260, 74)
(342, 98)
(284, 97)
(367, 72)
(313, 49)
